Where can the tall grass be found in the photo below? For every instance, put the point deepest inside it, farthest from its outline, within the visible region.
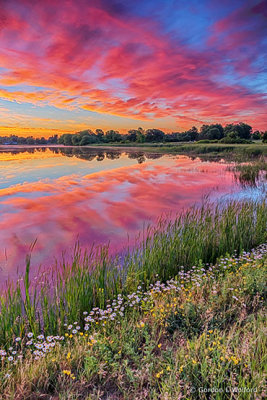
(249, 174)
(92, 277)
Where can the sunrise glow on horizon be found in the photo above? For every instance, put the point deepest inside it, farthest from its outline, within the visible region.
(112, 64)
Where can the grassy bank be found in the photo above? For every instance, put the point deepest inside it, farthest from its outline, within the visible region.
(198, 336)
(204, 233)
(227, 151)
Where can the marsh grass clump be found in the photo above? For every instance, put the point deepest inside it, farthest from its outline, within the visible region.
(250, 174)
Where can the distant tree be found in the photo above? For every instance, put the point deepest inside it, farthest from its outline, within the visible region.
(211, 132)
(154, 135)
(22, 140)
(264, 137)
(14, 139)
(132, 135)
(242, 130)
(30, 140)
(193, 133)
(88, 139)
(233, 134)
(66, 139)
(76, 139)
(86, 132)
(220, 128)
(100, 134)
(169, 137)
(43, 140)
(61, 139)
(256, 135)
(140, 137)
(113, 136)
(177, 137)
(203, 131)
(53, 139)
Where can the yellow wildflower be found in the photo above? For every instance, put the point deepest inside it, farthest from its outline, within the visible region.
(66, 372)
(158, 375)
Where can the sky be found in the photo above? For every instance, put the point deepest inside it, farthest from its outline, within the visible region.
(69, 65)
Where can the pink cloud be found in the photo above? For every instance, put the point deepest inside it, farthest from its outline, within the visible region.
(75, 51)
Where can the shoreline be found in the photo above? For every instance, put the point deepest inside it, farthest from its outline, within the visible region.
(240, 152)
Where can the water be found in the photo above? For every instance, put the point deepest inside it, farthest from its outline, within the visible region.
(59, 195)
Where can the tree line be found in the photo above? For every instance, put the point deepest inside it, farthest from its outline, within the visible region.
(14, 139)
(231, 133)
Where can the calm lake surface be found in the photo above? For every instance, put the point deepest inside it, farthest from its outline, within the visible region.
(56, 195)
